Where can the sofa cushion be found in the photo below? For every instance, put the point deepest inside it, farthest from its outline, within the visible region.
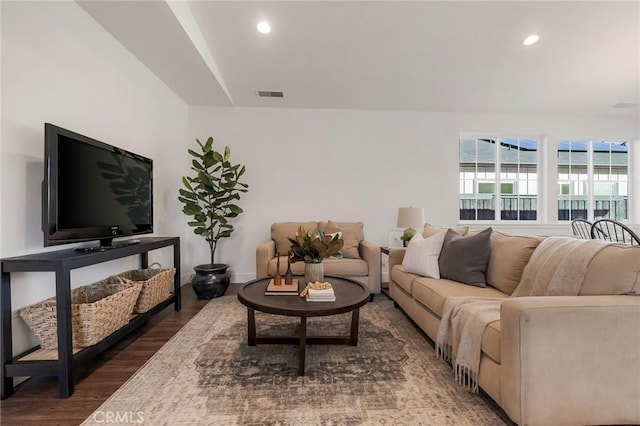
(281, 231)
(465, 259)
(432, 292)
(613, 270)
(491, 341)
(422, 255)
(339, 267)
(403, 279)
(509, 255)
(352, 234)
(430, 230)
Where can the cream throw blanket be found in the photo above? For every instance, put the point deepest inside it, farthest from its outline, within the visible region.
(459, 338)
(557, 268)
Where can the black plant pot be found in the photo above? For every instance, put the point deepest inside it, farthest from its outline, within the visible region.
(210, 281)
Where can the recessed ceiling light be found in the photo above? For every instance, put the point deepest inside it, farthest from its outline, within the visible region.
(532, 39)
(264, 27)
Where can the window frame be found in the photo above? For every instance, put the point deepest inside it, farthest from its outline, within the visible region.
(498, 180)
(588, 186)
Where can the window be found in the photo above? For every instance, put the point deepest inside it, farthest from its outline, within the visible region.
(489, 163)
(593, 180)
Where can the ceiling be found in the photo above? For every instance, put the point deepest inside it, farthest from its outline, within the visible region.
(446, 56)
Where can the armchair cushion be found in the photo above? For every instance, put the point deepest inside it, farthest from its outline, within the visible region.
(339, 267)
(352, 234)
(281, 231)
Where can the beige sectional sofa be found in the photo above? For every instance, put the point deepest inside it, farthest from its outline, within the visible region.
(549, 360)
(361, 261)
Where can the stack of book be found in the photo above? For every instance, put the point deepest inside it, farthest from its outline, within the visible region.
(282, 289)
(324, 295)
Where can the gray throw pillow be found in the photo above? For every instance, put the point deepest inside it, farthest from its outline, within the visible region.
(465, 259)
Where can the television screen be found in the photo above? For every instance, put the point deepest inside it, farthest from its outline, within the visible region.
(93, 190)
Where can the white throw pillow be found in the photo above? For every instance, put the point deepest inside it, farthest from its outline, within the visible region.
(422, 255)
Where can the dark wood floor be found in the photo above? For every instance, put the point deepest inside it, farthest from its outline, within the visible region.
(36, 401)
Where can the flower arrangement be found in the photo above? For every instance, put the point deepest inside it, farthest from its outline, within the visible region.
(315, 246)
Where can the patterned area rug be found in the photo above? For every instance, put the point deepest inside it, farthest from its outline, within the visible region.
(208, 375)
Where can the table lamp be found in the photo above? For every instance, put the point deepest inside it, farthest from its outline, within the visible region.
(410, 218)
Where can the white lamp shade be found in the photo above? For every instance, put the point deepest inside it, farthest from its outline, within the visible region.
(410, 217)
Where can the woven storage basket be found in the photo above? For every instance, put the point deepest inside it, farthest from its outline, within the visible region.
(97, 310)
(156, 286)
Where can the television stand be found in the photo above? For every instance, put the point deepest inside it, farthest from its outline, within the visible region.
(64, 361)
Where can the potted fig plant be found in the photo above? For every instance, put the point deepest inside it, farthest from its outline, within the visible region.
(312, 248)
(209, 197)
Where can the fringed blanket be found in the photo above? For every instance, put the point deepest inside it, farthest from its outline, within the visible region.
(556, 268)
(463, 320)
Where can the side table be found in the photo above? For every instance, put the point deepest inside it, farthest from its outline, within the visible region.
(384, 285)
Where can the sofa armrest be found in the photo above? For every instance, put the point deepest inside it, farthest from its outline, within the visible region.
(264, 253)
(396, 256)
(571, 360)
(370, 253)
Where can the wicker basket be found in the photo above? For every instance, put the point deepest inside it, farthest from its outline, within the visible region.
(97, 310)
(156, 286)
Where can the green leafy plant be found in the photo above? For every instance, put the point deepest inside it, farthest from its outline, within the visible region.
(210, 196)
(315, 246)
(408, 234)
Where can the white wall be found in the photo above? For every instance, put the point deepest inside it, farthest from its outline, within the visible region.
(60, 66)
(358, 165)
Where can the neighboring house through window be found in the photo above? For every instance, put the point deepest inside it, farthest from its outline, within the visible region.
(593, 180)
(498, 178)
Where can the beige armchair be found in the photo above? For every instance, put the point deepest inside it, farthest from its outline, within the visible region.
(361, 260)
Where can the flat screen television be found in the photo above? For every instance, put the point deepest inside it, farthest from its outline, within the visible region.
(93, 190)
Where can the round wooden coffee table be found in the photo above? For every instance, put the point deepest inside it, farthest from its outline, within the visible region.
(350, 296)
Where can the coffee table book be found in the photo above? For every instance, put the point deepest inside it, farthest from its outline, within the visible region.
(283, 289)
(324, 295)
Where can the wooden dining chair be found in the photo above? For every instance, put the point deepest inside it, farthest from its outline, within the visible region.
(581, 228)
(612, 230)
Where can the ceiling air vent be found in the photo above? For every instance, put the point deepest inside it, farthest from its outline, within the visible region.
(625, 105)
(269, 94)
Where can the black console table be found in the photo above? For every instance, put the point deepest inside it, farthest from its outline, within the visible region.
(62, 262)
